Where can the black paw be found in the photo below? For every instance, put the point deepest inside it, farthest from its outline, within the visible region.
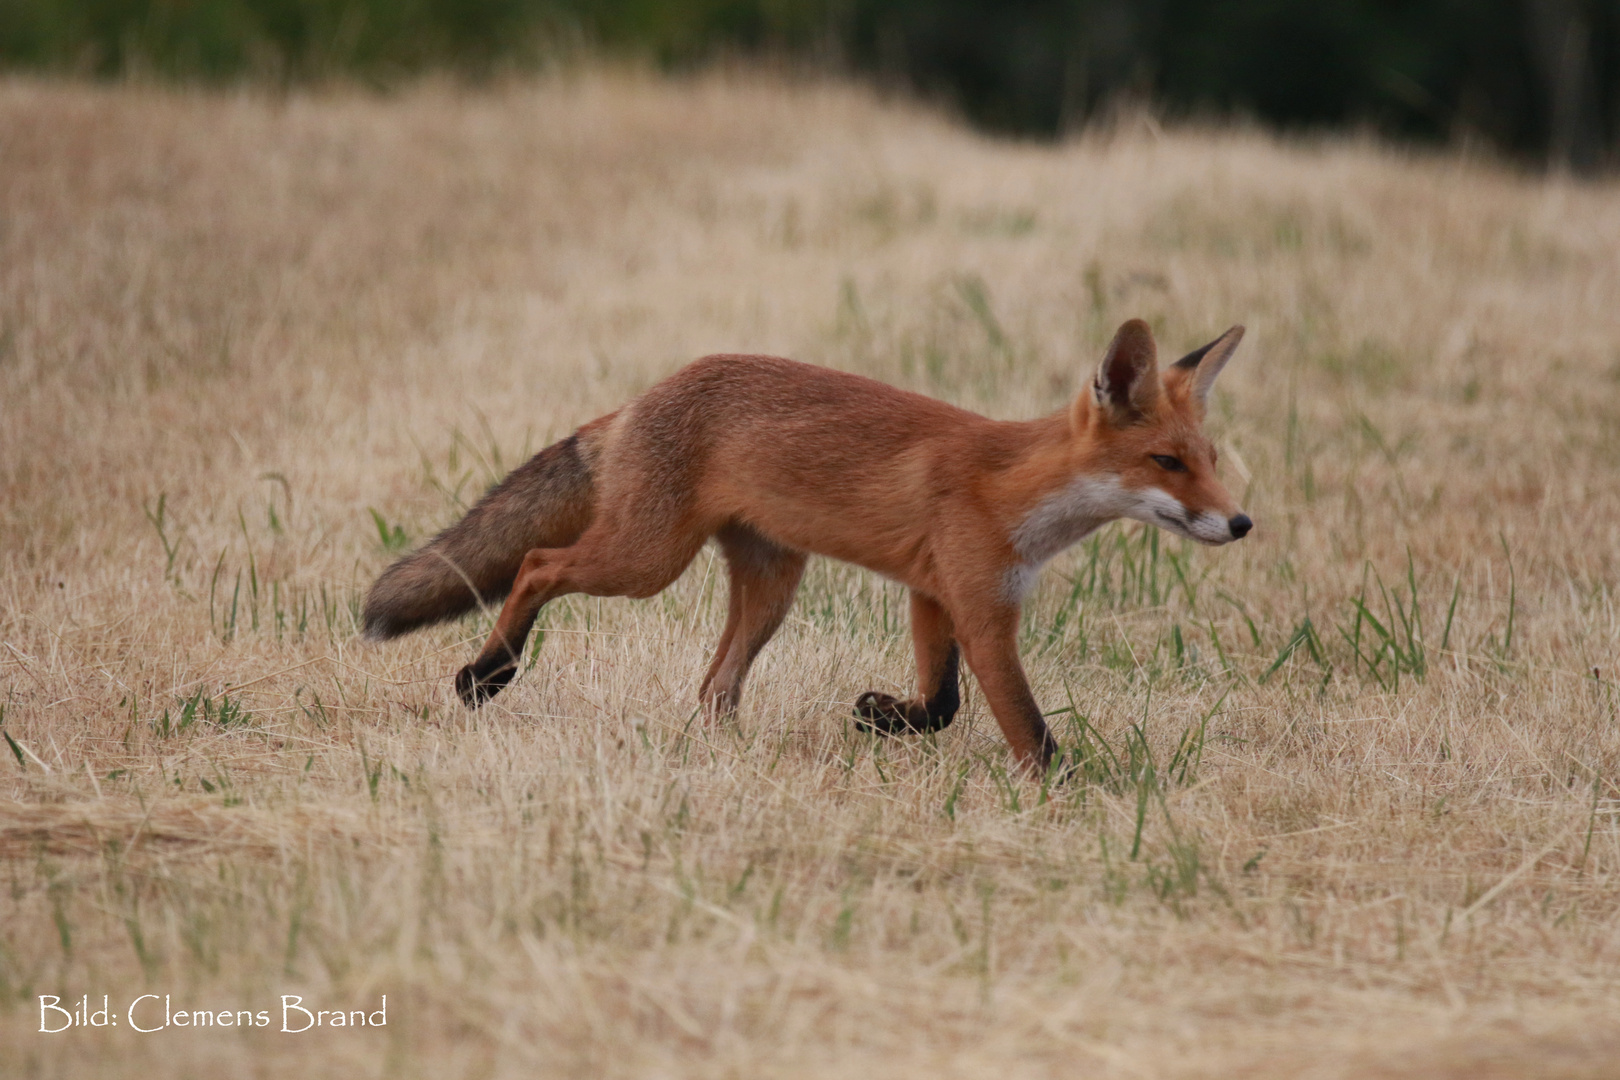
(883, 714)
(1064, 768)
(477, 683)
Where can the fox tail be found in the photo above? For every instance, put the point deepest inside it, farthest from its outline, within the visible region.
(546, 502)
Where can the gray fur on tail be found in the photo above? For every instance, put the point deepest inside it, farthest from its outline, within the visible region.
(546, 502)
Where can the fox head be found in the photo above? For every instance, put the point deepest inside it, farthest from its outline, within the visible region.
(1144, 430)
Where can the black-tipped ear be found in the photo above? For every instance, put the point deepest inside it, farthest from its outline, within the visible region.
(1128, 379)
(1202, 365)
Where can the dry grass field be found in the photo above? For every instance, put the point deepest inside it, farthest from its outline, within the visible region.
(1349, 795)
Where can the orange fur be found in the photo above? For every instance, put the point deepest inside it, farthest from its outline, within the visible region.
(776, 459)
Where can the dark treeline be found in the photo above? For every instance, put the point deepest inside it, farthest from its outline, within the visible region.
(1538, 78)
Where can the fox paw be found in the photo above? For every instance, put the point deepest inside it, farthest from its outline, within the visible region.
(475, 686)
(885, 714)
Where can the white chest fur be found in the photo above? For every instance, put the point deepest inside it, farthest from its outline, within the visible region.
(1061, 520)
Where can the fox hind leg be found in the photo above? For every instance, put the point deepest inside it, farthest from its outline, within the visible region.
(605, 561)
(764, 578)
(939, 693)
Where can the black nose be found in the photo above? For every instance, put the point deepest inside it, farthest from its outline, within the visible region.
(1240, 526)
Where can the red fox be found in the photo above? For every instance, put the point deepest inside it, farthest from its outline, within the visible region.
(777, 460)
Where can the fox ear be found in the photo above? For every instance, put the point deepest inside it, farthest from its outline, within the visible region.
(1127, 382)
(1202, 365)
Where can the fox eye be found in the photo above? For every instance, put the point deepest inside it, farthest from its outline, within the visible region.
(1168, 463)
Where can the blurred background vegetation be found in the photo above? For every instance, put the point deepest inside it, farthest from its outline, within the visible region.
(1538, 79)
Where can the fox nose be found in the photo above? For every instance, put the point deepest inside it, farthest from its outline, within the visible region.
(1240, 526)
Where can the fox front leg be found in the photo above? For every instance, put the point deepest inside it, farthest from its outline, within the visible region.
(991, 648)
(939, 694)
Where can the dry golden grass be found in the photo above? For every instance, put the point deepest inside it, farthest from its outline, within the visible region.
(231, 327)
